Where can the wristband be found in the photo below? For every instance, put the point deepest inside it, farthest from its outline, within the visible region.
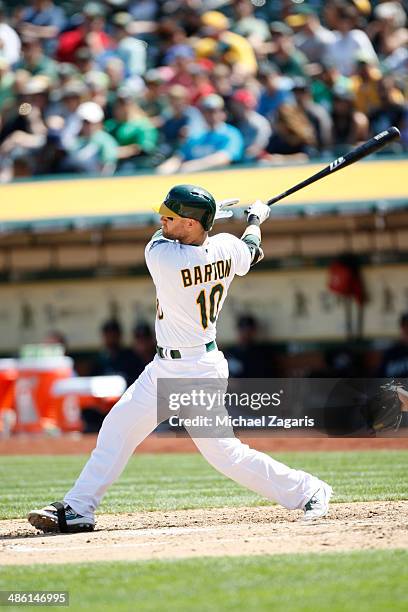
(254, 220)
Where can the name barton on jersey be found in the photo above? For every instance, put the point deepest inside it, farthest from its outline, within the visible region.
(206, 273)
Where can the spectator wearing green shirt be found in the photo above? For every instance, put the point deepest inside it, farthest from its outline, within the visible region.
(133, 132)
(323, 84)
(35, 61)
(283, 53)
(94, 150)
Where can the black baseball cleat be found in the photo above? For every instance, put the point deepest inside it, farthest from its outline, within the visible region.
(59, 517)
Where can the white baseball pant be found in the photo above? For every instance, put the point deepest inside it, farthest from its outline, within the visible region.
(134, 417)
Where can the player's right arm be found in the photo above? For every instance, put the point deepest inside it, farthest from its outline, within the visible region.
(257, 214)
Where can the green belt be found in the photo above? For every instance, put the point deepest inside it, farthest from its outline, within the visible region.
(176, 354)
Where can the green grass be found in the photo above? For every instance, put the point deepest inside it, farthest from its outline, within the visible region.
(176, 481)
(344, 582)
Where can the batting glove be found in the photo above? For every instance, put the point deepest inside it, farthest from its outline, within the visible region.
(222, 206)
(260, 210)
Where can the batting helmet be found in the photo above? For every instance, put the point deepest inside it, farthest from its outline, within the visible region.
(191, 202)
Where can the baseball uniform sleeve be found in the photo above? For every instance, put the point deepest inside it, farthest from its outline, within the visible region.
(240, 255)
(154, 253)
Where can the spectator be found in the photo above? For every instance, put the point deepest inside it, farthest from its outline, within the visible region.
(390, 37)
(153, 101)
(387, 31)
(10, 45)
(349, 125)
(283, 53)
(201, 85)
(323, 85)
(114, 68)
(247, 25)
(84, 61)
(220, 145)
(43, 20)
(365, 85)
(94, 150)
(180, 58)
(312, 38)
(293, 135)
(255, 129)
(7, 80)
(26, 131)
(394, 362)
(397, 63)
(97, 83)
(222, 80)
(35, 61)
(223, 45)
(317, 115)
(114, 358)
(187, 18)
(276, 90)
(133, 132)
(350, 42)
(248, 358)
(144, 10)
(330, 12)
(144, 343)
(90, 34)
(71, 97)
(105, 51)
(182, 120)
(129, 49)
(168, 33)
(391, 109)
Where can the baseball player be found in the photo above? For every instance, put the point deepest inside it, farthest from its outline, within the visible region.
(192, 273)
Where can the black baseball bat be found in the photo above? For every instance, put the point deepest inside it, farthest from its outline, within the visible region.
(374, 144)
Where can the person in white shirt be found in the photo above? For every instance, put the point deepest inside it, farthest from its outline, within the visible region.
(311, 37)
(350, 43)
(10, 44)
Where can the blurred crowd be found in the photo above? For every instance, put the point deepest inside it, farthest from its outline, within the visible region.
(184, 85)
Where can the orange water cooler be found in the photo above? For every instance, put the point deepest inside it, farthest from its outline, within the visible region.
(8, 377)
(36, 409)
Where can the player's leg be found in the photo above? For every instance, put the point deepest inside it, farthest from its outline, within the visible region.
(258, 472)
(129, 422)
(252, 469)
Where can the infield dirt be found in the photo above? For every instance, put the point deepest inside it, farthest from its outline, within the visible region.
(211, 532)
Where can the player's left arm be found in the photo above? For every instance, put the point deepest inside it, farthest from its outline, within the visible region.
(257, 214)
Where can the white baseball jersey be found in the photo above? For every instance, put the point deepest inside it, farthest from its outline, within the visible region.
(192, 283)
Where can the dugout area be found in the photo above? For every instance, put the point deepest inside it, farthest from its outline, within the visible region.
(90, 234)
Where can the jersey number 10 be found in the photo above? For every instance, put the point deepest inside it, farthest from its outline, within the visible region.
(214, 306)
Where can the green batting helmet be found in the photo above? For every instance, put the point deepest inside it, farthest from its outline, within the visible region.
(191, 202)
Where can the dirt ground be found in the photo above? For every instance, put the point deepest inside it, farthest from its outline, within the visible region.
(76, 443)
(212, 532)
